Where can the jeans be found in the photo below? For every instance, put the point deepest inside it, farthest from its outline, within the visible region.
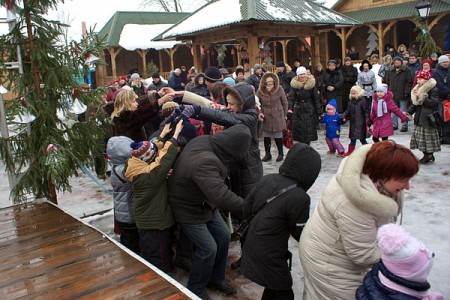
(211, 241)
(403, 107)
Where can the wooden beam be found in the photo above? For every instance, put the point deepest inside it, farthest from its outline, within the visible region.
(436, 20)
(389, 26)
(284, 44)
(143, 54)
(327, 51)
(253, 50)
(380, 42)
(160, 60)
(197, 57)
(374, 29)
(114, 52)
(316, 50)
(395, 38)
(338, 33)
(344, 43)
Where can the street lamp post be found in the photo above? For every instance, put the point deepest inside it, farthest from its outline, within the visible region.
(423, 8)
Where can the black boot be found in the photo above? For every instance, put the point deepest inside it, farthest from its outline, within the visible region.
(267, 143)
(279, 143)
(427, 158)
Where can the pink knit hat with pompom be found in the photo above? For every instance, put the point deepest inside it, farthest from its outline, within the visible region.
(404, 255)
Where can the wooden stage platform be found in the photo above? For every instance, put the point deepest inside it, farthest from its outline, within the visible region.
(46, 253)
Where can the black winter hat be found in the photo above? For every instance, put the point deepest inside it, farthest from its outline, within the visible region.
(365, 61)
(155, 75)
(280, 64)
(212, 74)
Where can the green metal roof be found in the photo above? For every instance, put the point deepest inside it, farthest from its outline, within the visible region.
(397, 11)
(219, 13)
(113, 28)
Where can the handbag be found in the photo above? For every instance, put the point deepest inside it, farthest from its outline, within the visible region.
(245, 224)
(434, 119)
(446, 110)
(288, 141)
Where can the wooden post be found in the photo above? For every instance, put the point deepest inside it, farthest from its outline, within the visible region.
(284, 48)
(395, 36)
(114, 52)
(143, 54)
(380, 42)
(327, 50)
(315, 47)
(253, 50)
(197, 57)
(344, 43)
(160, 61)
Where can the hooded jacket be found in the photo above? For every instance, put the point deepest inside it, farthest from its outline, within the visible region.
(119, 150)
(332, 122)
(196, 88)
(248, 170)
(358, 112)
(339, 242)
(264, 252)
(382, 126)
(304, 102)
(197, 185)
(151, 208)
(274, 104)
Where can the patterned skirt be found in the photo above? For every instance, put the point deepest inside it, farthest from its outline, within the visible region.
(426, 139)
(273, 135)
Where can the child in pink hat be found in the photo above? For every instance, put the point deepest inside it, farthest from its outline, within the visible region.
(403, 269)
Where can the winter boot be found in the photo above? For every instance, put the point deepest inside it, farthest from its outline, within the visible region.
(267, 143)
(279, 143)
(427, 158)
(351, 148)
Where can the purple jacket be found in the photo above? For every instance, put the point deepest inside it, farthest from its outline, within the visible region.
(382, 126)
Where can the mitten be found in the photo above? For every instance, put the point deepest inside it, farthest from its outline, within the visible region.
(190, 110)
(177, 111)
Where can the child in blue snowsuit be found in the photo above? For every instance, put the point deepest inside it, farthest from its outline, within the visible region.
(333, 122)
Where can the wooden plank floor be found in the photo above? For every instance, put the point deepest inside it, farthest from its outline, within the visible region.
(47, 254)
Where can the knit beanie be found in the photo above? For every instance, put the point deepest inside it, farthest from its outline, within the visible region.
(399, 58)
(168, 108)
(404, 255)
(382, 88)
(332, 105)
(229, 81)
(212, 74)
(280, 64)
(155, 75)
(135, 76)
(145, 150)
(301, 71)
(443, 58)
(423, 74)
(427, 61)
(256, 67)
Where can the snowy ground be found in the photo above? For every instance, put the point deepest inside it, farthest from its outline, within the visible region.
(426, 213)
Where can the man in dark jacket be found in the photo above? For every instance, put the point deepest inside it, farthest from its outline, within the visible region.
(196, 189)
(175, 81)
(255, 78)
(285, 76)
(350, 75)
(157, 83)
(265, 251)
(333, 81)
(442, 76)
(399, 81)
(413, 64)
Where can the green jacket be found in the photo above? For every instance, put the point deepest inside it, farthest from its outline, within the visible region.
(151, 209)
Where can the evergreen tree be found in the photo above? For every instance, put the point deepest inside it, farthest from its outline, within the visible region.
(49, 68)
(427, 45)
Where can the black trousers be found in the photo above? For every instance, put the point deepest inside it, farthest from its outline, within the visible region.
(269, 294)
(129, 236)
(156, 247)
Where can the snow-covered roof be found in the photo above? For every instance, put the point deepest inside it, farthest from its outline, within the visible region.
(137, 36)
(225, 12)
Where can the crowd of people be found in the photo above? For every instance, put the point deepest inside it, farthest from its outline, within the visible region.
(187, 170)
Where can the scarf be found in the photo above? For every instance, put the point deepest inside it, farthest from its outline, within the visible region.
(382, 108)
(426, 295)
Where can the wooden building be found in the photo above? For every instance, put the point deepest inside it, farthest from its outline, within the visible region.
(48, 254)
(129, 44)
(392, 21)
(232, 32)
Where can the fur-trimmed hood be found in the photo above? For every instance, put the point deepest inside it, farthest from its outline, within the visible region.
(359, 92)
(196, 78)
(309, 83)
(243, 92)
(385, 58)
(262, 83)
(359, 189)
(423, 91)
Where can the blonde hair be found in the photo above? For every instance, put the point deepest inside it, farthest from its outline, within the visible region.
(123, 102)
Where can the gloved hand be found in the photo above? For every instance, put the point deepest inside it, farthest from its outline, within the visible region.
(289, 115)
(190, 110)
(177, 112)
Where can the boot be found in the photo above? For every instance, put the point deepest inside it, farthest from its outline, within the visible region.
(351, 148)
(427, 158)
(267, 143)
(279, 143)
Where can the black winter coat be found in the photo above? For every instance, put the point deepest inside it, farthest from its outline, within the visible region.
(197, 185)
(399, 83)
(335, 79)
(304, 102)
(357, 113)
(373, 289)
(285, 80)
(246, 172)
(265, 249)
(442, 77)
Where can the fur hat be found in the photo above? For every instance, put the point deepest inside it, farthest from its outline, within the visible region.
(212, 74)
(145, 150)
(135, 76)
(443, 58)
(365, 61)
(382, 88)
(280, 64)
(404, 255)
(300, 71)
(423, 74)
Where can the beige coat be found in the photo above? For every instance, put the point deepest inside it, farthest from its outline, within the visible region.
(274, 104)
(338, 244)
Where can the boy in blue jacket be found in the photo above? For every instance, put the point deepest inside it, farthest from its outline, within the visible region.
(333, 123)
